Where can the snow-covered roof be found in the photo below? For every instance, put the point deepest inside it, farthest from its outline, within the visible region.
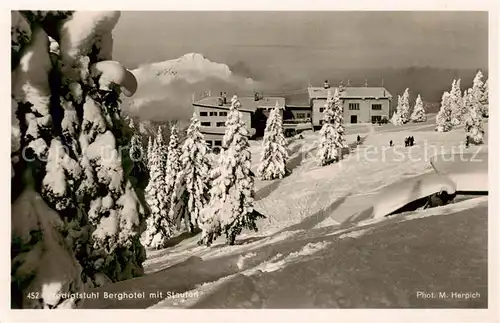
(248, 103)
(351, 92)
(297, 99)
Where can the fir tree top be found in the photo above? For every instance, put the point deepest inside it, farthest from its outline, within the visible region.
(174, 138)
(478, 80)
(193, 130)
(234, 124)
(159, 138)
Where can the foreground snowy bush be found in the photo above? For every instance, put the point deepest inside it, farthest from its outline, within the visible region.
(67, 118)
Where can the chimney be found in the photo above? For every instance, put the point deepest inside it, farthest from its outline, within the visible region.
(341, 86)
(326, 85)
(366, 82)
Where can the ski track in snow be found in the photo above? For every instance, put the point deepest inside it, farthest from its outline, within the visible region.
(276, 263)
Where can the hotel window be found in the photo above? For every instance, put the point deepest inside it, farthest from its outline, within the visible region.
(321, 110)
(376, 106)
(213, 114)
(218, 143)
(301, 115)
(353, 106)
(223, 114)
(203, 114)
(205, 124)
(221, 124)
(308, 115)
(209, 143)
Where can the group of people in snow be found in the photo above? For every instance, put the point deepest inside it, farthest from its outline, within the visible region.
(409, 141)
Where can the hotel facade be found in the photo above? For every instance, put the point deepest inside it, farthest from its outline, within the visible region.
(360, 105)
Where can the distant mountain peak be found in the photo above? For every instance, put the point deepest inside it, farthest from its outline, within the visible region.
(191, 67)
(193, 56)
(166, 89)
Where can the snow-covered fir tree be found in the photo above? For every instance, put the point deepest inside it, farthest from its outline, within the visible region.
(274, 154)
(191, 191)
(396, 116)
(173, 166)
(443, 118)
(338, 122)
(137, 156)
(230, 208)
(485, 100)
(477, 83)
(158, 227)
(331, 141)
(405, 107)
(457, 107)
(115, 209)
(149, 151)
(474, 130)
(65, 94)
(478, 88)
(418, 114)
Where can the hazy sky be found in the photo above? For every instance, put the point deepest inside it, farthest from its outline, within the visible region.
(285, 40)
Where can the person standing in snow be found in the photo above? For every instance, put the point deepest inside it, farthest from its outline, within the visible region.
(390, 143)
(359, 139)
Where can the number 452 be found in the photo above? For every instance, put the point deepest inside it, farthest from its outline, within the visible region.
(33, 295)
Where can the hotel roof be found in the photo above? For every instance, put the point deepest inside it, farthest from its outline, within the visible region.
(351, 92)
(248, 104)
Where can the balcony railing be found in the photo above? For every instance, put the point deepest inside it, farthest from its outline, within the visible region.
(296, 121)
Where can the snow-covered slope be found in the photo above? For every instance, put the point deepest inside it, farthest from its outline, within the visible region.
(318, 248)
(166, 88)
(366, 265)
